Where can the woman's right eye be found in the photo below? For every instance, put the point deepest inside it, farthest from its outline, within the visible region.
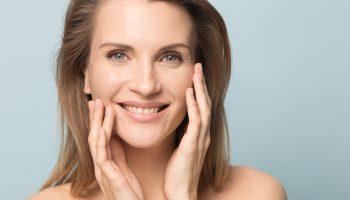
(116, 55)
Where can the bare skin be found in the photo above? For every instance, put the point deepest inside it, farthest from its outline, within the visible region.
(152, 169)
(117, 180)
(246, 184)
(156, 65)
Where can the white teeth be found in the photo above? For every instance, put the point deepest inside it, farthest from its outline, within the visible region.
(141, 110)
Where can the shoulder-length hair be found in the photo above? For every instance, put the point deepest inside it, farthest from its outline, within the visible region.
(212, 49)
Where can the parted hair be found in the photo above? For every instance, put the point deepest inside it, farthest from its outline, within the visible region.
(212, 49)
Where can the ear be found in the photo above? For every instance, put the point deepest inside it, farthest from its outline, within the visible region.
(87, 89)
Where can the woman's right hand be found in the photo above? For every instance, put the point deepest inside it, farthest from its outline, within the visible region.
(115, 179)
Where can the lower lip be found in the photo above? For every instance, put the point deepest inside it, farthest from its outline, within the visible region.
(144, 118)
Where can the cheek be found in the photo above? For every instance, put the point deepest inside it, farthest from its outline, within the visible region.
(104, 83)
(178, 87)
(179, 81)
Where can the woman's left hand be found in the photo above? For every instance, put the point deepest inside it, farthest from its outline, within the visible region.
(185, 165)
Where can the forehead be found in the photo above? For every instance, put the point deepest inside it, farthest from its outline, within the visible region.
(142, 22)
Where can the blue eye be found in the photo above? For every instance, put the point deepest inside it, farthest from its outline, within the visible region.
(120, 56)
(172, 57)
(116, 55)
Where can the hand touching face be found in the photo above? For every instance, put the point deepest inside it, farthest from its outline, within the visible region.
(141, 51)
(184, 167)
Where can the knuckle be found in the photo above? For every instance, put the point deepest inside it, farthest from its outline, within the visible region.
(99, 161)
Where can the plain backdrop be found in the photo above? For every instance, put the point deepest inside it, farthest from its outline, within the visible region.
(288, 104)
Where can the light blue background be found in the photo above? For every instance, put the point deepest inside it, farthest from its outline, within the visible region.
(288, 104)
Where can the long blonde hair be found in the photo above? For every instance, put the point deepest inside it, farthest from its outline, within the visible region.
(75, 163)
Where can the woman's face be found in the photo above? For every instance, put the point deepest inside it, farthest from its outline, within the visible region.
(141, 51)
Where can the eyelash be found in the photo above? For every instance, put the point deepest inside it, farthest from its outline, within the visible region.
(169, 53)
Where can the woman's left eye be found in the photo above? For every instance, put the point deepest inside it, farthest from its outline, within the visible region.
(172, 57)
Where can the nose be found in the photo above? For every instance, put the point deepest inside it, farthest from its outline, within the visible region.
(144, 80)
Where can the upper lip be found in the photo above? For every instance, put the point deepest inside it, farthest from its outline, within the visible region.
(140, 104)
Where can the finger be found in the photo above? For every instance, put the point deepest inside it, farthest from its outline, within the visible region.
(92, 147)
(119, 182)
(95, 125)
(203, 150)
(96, 118)
(91, 109)
(91, 112)
(91, 139)
(110, 171)
(190, 139)
(204, 138)
(98, 173)
(206, 146)
(101, 155)
(101, 150)
(108, 122)
(205, 87)
(114, 175)
(201, 96)
(204, 109)
(207, 96)
(119, 157)
(199, 90)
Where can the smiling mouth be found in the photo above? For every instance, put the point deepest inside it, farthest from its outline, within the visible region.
(134, 109)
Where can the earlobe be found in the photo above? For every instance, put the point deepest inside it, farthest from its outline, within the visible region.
(87, 89)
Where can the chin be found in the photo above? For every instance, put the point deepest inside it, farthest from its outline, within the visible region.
(139, 137)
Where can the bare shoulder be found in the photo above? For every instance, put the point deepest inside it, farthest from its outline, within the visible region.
(64, 192)
(254, 184)
(57, 192)
(247, 183)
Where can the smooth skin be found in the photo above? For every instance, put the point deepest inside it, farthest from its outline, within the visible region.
(145, 163)
(116, 179)
(142, 51)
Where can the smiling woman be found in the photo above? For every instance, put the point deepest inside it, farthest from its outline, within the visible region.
(141, 88)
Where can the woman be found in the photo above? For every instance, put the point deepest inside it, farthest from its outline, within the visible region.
(141, 87)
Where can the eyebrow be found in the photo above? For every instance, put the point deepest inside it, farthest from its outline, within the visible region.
(130, 48)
